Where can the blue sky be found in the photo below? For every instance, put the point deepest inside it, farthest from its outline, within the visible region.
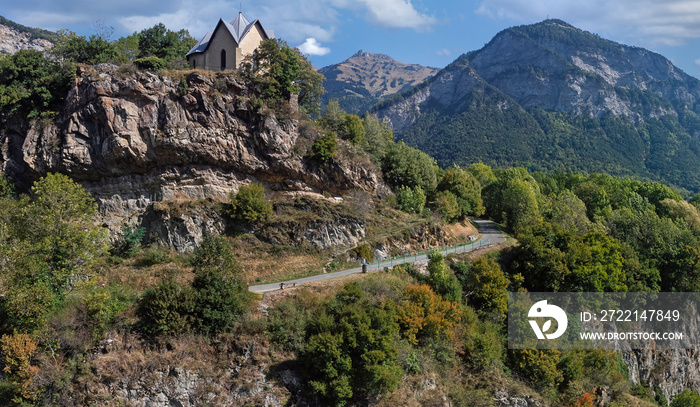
(428, 32)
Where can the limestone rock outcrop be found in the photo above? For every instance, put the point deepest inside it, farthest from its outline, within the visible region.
(133, 139)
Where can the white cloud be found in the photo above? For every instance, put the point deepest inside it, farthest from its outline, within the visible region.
(292, 20)
(397, 14)
(654, 22)
(444, 52)
(313, 47)
(697, 62)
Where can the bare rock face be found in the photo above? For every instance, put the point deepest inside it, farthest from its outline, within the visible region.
(135, 139)
(12, 41)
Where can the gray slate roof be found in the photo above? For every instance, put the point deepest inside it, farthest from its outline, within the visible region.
(238, 28)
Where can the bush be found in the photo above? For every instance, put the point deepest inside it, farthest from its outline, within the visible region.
(32, 85)
(365, 251)
(249, 203)
(411, 200)
(129, 242)
(151, 63)
(324, 147)
(102, 308)
(168, 309)
(424, 315)
(18, 350)
(215, 253)
(153, 255)
(351, 352)
(219, 301)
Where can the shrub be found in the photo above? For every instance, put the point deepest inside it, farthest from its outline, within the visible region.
(17, 350)
(324, 147)
(32, 85)
(365, 251)
(129, 242)
(215, 253)
(351, 352)
(183, 87)
(151, 63)
(167, 309)
(249, 203)
(102, 308)
(153, 255)
(219, 301)
(411, 200)
(424, 315)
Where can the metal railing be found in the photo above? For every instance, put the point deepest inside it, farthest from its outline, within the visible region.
(413, 257)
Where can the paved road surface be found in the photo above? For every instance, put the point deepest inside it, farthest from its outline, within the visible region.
(488, 232)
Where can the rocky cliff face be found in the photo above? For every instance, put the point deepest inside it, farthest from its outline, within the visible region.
(136, 139)
(12, 40)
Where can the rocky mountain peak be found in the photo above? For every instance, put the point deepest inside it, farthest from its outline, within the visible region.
(366, 78)
(551, 95)
(370, 55)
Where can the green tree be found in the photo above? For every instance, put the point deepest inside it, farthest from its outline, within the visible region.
(32, 85)
(483, 173)
(411, 200)
(167, 309)
(351, 351)
(325, 147)
(127, 48)
(221, 298)
(513, 198)
(687, 398)
(158, 41)
(466, 190)
(379, 137)
(54, 237)
(406, 166)
(569, 211)
(447, 206)
(354, 130)
(215, 253)
(486, 287)
(333, 117)
(7, 188)
(77, 48)
(249, 203)
(279, 70)
(441, 279)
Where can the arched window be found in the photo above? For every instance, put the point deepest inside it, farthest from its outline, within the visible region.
(223, 59)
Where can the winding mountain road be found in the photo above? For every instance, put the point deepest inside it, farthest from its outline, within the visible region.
(488, 233)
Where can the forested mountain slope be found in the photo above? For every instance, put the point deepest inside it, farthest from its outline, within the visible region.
(552, 96)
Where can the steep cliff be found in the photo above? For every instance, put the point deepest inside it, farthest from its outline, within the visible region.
(135, 139)
(552, 96)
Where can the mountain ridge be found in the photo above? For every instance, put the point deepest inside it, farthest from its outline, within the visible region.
(596, 105)
(366, 78)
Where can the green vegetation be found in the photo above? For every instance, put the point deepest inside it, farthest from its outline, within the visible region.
(280, 71)
(372, 339)
(32, 85)
(249, 204)
(324, 147)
